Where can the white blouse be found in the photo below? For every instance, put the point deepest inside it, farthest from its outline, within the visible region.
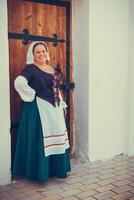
(26, 93)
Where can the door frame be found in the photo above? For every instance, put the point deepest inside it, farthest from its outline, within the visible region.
(68, 85)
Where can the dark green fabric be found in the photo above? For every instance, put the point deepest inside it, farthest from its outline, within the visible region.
(30, 160)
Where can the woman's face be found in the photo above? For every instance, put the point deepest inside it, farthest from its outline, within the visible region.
(40, 54)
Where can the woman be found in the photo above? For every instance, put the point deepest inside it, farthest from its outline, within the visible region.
(42, 149)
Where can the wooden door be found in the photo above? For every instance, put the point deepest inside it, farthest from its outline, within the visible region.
(39, 20)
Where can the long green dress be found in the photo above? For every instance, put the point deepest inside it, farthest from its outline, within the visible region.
(30, 161)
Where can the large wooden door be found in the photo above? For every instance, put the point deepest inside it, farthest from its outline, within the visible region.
(39, 20)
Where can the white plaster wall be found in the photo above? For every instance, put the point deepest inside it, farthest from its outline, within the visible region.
(5, 162)
(131, 64)
(81, 76)
(109, 78)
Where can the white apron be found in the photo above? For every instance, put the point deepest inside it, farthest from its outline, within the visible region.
(53, 127)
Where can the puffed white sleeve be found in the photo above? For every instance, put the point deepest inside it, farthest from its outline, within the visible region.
(62, 102)
(26, 93)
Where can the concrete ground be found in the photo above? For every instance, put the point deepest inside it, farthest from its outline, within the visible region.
(113, 179)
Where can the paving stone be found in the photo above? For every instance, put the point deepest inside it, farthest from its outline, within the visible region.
(131, 173)
(108, 166)
(123, 196)
(109, 199)
(131, 184)
(31, 197)
(121, 172)
(15, 190)
(122, 189)
(91, 175)
(94, 169)
(131, 178)
(105, 188)
(75, 180)
(86, 194)
(50, 192)
(71, 198)
(88, 187)
(72, 186)
(106, 176)
(70, 193)
(52, 197)
(104, 195)
(122, 182)
(89, 181)
(122, 163)
(132, 191)
(121, 177)
(19, 196)
(106, 181)
(32, 192)
(107, 171)
(4, 195)
(55, 186)
(90, 198)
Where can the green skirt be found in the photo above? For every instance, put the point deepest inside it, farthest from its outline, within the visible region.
(29, 160)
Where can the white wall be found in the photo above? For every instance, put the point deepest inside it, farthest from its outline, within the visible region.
(102, 75)
(81, 76)
(109, 78)
(5, 162)
(131, 64)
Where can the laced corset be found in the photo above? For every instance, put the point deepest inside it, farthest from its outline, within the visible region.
(57, 80)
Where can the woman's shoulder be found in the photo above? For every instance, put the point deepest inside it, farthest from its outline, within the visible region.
(29, 68)
(28, 71)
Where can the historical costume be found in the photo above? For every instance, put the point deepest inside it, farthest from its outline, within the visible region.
(42, 149)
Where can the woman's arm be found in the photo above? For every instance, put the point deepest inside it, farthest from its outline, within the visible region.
(26, 93)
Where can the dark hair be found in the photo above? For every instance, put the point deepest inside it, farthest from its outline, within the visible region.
(38, 44)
